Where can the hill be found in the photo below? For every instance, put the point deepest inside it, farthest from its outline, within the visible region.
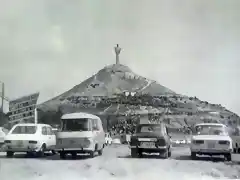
(104, 94)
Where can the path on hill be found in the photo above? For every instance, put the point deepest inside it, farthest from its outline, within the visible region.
(149, 82)
(115, 164)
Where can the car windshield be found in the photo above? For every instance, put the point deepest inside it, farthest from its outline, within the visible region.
(149, 128)
(76, 124)
(211, 130)
(24, 130)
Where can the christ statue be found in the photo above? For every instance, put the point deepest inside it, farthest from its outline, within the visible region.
(117, 51)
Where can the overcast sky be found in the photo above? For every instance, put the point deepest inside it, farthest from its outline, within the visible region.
(191, 47)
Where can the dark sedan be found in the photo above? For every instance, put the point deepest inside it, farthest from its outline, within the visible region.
(150, 138)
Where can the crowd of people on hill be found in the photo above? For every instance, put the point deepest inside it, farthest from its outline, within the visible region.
(123, 127)
(128, 127)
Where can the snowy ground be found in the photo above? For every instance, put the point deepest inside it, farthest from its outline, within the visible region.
(116, 164)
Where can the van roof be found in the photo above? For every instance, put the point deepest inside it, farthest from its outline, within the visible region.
(211, 124)
(79, 115)
(31, 124)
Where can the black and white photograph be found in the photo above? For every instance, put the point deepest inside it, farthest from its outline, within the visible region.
(119, 90)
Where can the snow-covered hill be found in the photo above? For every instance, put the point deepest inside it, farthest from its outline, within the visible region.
(112, 81)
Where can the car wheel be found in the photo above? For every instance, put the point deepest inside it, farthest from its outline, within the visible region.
(9, 154)
(62, 155)
(40, 153)
(169, 153)
(193, 155)
(53, 152)
(228, 157)
(165, 154)
(100, 152)
(30, 154)
(74, 155)
(134, 152)
(92, 153)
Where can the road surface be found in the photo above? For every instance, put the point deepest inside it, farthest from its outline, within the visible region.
(116, 163)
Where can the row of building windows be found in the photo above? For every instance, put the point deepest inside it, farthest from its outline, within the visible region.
(27, 98)
(22, 105)
(23, 115)
(22, 110)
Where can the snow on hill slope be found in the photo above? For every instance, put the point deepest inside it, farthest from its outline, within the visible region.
(111, 80)
(116, 79)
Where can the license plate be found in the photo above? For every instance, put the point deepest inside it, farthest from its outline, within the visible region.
(147, 144)
(72, 142)
(211, 145)
(19, 143)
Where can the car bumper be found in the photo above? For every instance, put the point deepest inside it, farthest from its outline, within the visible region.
(21, 149)
(211, 151)
(75, 148)
(150, 149)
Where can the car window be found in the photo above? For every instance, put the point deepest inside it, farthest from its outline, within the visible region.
(212, 130)
(149, 129)
(49, 131)
(95, 124)
(76, 124)
(24, 130)
(44, 131)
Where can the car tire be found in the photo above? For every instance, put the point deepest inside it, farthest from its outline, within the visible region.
(134, 153)
(169, 153)
(193, 155)
(40, 153)
(62, 155)
(228, 157)
(100, 152)
(92, 153)
(53, 152)
(165, 154)
(9, 154)
(74, 155)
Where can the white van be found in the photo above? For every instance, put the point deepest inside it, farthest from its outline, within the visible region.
(80, 133)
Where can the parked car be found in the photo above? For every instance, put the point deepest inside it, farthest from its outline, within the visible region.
(80, 133)
(108, 139)
(151, 138)
(30, 138)
(211, 139)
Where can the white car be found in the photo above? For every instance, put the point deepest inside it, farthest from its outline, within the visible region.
(30, 138)
(108, 139)
(211, 139)
(80, 133)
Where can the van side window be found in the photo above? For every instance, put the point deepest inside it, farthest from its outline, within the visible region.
(95, 126)
(49, 131)
(44, 131)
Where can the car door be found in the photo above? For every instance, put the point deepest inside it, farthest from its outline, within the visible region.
(101, 133)
(166, 134)
(49, 137)
(45, 138)
(96, 131)
(52, 136)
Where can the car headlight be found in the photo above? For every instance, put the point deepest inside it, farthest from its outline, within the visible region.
(86, 142)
